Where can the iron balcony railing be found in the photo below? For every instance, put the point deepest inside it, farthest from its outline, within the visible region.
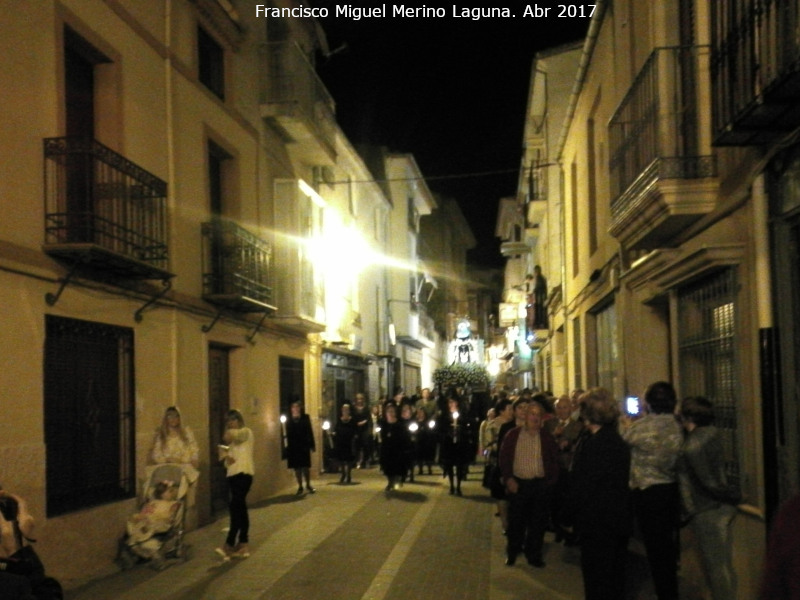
(291, 85)
(237, 267)
(95, 196)
(755, 68)
(658, 131)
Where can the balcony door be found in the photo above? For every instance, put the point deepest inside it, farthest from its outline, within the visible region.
(218, 208)
(79, 118)
(80, 63)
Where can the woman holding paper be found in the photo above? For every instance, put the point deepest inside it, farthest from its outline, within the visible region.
(238, 459)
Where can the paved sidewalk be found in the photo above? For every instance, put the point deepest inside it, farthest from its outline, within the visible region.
(357, 542)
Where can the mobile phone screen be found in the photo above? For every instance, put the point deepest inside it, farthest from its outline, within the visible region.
(632, 405)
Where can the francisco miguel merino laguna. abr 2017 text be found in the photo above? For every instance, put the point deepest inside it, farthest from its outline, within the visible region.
(356, 13)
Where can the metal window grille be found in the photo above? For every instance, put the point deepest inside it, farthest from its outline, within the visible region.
(89, 414)
(708, 361)
(236, 262)
(607, 355)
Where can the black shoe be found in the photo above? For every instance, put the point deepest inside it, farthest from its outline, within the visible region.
(458, 492)
(536, 562)
(300, 491)
(311, 490)
(511, 560)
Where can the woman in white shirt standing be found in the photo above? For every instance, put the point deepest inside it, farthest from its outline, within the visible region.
(239, 462)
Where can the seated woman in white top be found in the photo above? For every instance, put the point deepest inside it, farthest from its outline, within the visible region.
(174, 442)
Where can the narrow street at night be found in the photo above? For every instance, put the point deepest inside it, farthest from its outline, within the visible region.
(246, 244)
(352, 542)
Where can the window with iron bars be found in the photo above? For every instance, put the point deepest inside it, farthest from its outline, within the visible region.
(607, 351)
(88, 414)
(708, 360)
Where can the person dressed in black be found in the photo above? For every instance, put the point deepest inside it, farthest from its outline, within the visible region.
(395, 444)
(599, 502)
(536, 285)
(363, 420)
(410, 423)
(425, 447)
(299, 446)
(455, 444)
(344, 440)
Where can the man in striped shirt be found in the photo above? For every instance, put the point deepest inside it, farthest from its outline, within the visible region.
(529, 467)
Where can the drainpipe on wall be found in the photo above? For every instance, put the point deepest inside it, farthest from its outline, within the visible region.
(588, 50)
(768, 350)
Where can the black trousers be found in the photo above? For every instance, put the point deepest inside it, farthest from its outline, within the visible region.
(239, 485)
(527, 518)
(15, 587)
(657, 512)
(603, 566)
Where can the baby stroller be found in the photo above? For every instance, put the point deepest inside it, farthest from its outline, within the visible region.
(155, 534)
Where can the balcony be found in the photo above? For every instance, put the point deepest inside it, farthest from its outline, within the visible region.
(300, 282)
(412, 324)
(755, 70)
(103, 213)
(236, 268)
(295, 99)
(663, 175)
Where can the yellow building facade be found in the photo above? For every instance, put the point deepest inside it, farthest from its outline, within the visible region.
(677, 176)
(184, 223)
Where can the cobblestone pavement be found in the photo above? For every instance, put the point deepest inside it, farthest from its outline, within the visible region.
(357, 542)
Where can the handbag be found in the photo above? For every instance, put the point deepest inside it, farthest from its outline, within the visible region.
(488, 475)
(25, 562)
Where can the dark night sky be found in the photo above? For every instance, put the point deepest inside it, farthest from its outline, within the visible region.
(450, 91)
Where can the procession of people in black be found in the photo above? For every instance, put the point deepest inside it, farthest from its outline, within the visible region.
(569, 465)
(574, 465)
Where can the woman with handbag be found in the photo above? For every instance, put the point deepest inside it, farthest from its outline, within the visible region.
(22, 575)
